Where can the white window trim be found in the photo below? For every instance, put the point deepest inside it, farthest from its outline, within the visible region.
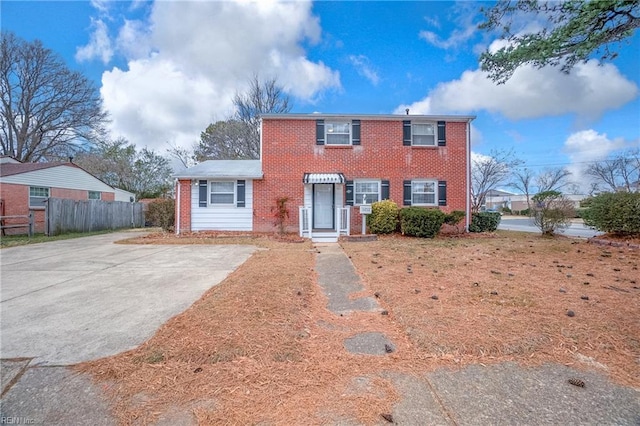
(41, 206)
(355, 193)
(327, 124)
(435, 192)
(435, 133)
(210, 192)
(96, 192)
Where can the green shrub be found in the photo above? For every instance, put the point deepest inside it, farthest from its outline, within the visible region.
(162, 213)
(484, 222)
(421, 222)
(506, 210)
(617, 213)
(454, 217)
(383, 218)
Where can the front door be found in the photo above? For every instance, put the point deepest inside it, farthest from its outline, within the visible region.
(323, 216)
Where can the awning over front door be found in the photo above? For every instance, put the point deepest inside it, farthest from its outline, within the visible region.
(323, 178)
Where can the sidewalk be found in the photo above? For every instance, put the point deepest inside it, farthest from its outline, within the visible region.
(478, 395)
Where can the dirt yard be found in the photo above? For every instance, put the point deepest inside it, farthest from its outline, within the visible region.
(262, 347)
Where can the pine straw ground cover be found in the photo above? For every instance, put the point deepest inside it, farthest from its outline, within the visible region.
(261, 348)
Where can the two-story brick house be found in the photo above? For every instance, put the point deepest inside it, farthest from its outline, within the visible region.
(327, 165)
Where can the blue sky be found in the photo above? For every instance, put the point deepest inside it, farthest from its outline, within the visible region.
(167, 69)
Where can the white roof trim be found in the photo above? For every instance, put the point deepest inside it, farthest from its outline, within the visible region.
(216, 169)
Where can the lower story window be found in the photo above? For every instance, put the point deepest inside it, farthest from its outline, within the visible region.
(37, 196)
(367, 192)
(95, 195)
(222, 193)
(423, 192)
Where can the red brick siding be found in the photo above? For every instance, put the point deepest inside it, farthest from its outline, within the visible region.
(289, 150)
(183, 205)
(16, 202)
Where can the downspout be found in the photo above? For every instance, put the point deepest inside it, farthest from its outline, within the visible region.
(468, 198)
(178, 208)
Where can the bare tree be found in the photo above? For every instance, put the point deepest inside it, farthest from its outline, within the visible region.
(262, 97)
(185, 156)
(487, 172)
(47, 109)
(239, 137)
(620, 172)
(552, 179)
(551, 211)
(523, 181)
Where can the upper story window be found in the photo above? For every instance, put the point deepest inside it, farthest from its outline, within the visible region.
(95, 195)
(337, 133)
(37, 196)
(424, 133)
(222, 193)
(367, 192)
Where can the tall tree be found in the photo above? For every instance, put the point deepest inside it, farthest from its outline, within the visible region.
(553, 179)
(262, 97)
(238, 137)
(522, 180)
(47, 109)
(487, 172)
(227, 140)
(619, 172)
(573, 31)
(118, 163)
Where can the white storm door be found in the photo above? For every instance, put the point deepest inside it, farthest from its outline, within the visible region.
(323, 206)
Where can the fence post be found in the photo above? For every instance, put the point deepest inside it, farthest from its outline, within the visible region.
(47, 211)
(31, 224)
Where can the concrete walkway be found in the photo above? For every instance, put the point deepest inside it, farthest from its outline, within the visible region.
(503, 394)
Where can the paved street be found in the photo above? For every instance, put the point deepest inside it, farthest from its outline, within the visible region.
(525, 224)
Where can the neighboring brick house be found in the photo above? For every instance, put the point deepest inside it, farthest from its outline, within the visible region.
(327, 165)
(24, 187)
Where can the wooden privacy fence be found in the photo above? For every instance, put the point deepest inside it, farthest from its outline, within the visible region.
(64, 215)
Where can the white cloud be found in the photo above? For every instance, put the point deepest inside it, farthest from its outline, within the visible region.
(588, 92)
(586, 146)
(188, 60)
(99, 44)
(364, 68)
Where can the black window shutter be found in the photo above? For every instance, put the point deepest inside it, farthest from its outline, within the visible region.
(407, 193)
(355, 128)
(384, 190)
(319, 132)
(240, 186)
(349, 192)
(406, 133)
(442, 193)
(442, 137)
(202, 194)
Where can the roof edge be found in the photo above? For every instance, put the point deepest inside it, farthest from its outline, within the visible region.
(296, 116)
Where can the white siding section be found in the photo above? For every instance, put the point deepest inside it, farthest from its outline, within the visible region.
(122, 195)
(308, 195)
(68, 177)
(222, 218)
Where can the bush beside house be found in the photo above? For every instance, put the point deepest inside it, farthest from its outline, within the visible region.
(617, 213)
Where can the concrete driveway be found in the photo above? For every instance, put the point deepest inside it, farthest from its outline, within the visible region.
(75, 300)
